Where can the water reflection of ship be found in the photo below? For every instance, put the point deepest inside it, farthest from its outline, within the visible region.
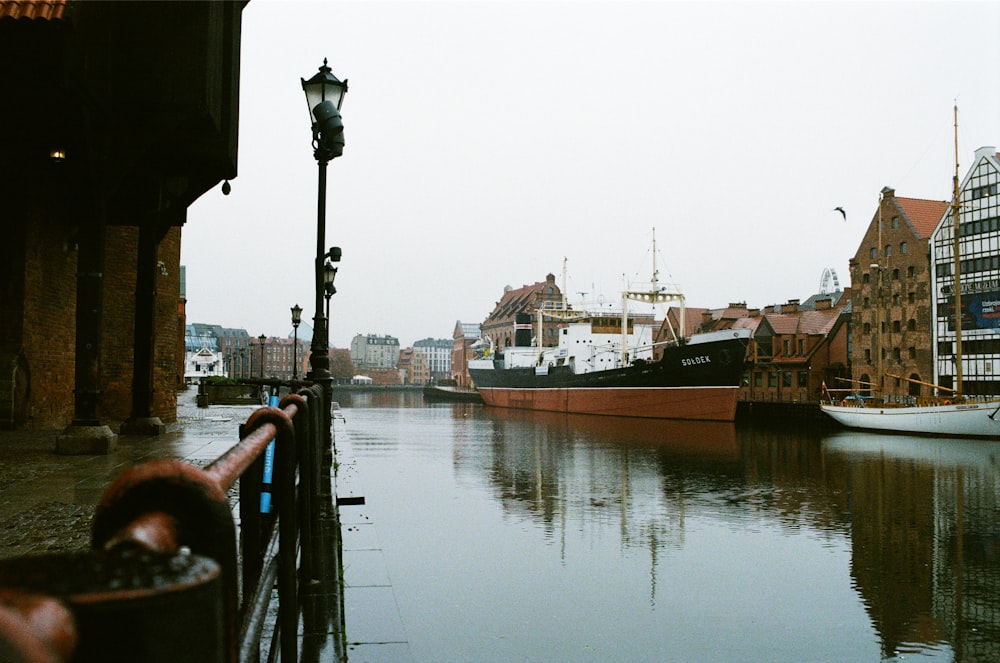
(926, 540)
(555, 466)
(675, 436)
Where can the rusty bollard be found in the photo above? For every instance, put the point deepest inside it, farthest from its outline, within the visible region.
(126, 605)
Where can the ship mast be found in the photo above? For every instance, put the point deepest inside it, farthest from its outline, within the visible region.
(654, 295)
(956, 217)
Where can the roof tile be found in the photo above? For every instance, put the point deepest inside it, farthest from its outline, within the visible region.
(45, 10)
(924, 215)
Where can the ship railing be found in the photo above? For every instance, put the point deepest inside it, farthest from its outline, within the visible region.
(184, 561)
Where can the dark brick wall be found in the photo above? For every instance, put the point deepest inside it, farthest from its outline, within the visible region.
(48, 311)
(119, 325)
(38, 320)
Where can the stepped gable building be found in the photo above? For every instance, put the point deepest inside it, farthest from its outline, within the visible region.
(979, 236)
(117, 117)
(891, 329)
(498, 326)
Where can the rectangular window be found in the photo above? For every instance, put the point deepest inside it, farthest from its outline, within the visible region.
(802, 346)
(772, 379)
(786, 379)
(803, 378)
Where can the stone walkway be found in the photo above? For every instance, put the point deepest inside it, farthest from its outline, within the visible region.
(47, 505)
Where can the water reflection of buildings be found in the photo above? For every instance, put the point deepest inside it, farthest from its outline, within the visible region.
(922, 515)
(926, 541)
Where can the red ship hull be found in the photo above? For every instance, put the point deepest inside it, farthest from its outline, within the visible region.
(713, 403)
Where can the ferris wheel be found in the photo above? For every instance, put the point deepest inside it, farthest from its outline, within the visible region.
(829, 283)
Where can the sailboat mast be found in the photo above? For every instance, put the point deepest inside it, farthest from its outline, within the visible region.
(879, 269)
(956, 217)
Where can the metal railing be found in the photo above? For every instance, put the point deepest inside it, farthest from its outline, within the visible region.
(169, 578)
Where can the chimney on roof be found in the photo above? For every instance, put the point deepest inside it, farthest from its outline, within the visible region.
(824, 304)
(753, 312)
(791, 307)
(888, 192)
(988, 151)
(706, 317)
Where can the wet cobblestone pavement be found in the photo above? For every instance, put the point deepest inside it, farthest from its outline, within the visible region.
(47, 500)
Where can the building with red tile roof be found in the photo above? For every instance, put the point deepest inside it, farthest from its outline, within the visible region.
(796, 348)
(498, 326)
(891, 303)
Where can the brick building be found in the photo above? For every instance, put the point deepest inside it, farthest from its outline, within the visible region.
(891, 296)
(465, 336)
(413, 367)
(794, 349)
(94, 190)
(498, 326)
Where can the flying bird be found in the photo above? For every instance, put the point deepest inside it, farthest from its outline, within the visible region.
(842, 212)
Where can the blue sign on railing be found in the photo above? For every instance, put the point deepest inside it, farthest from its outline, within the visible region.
(265, 489)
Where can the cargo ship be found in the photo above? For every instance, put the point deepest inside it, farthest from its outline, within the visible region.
(609, 365)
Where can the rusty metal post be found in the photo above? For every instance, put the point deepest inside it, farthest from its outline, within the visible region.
(128, 605)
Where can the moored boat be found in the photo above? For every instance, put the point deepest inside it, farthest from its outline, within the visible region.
(696, 380)
(436, 392)
(966, 418)
(610, 365)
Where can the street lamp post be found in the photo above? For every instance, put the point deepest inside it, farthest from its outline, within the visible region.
(324, 96)
(329, 274)
(296, 319)
(262, 340)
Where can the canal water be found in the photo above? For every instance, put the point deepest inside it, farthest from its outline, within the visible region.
(522, 536)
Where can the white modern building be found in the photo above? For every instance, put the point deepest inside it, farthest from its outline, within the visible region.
(437, 351)
(979, 276)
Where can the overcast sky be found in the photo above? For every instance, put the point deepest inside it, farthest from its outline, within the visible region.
(488, 141)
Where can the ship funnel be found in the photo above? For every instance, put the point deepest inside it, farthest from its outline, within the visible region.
(522, 330)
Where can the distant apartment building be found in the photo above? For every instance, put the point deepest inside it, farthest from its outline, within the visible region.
(498, 327)
(371, 351)
(979, 276)
(233, 346)
(413, 368)
(283, 360)
(891, 321)
(437, 352)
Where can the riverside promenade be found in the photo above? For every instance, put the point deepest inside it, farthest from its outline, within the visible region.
(47, 504)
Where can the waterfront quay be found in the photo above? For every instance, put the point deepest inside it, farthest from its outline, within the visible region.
(48, 513)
